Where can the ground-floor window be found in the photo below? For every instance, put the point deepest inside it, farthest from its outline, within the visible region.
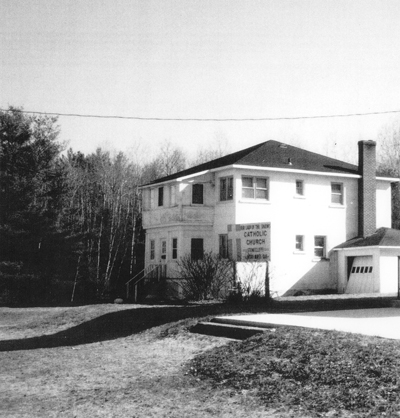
(152, 249)
(223, 246)
(299, 243)
(174, 248)
(197, 248)
(319, 246)
(238, 249)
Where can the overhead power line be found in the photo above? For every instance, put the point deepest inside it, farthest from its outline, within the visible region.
(77, 115)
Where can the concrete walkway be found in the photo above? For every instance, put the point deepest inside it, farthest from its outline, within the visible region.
(381, 322)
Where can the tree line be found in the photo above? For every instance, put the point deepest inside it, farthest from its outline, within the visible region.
(70, 224)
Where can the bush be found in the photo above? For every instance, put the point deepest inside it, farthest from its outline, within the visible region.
(208, 278)
(251, 281)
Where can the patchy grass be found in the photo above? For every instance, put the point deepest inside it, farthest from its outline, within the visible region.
(110, 361)
(317, 373)
(132, 361)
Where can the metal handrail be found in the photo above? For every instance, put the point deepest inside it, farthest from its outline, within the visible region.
(138, 281)
(134, 277)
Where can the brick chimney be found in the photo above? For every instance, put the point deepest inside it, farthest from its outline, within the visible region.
(367, 188)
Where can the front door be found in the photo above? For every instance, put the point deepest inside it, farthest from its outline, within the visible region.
(163, 254)
(163, 260)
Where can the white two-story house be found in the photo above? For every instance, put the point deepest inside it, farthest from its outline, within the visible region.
(270, 202)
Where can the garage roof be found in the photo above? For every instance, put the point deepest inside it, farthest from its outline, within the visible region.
(383, 237)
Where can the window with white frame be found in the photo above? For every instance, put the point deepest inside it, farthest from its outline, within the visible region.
(174, 248)
(299, 187)
(226, 188)
(238, 249)
(197, 194)
(320, 246)
(197, 248)
(299, 244)
(223, 246)
(337, 193)
(255, 187)
(161, 196)
(152, 249)
(172, 192)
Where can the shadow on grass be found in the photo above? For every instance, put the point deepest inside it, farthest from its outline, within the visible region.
(116, 325)
(127, 322)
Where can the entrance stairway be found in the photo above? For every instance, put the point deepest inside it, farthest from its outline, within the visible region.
(229, 328)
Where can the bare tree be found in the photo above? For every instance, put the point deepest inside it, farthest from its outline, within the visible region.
(218, 148)
(388, 147)
(170, 160)
(388, 156)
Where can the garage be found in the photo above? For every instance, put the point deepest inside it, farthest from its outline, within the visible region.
(368, 265)
(361, 278)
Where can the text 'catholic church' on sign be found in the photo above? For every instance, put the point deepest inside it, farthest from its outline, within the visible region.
(253, 241)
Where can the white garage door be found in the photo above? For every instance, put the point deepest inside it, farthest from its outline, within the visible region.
(361, 278)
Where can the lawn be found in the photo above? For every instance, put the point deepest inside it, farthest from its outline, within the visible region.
(109, 361)
(142, 361)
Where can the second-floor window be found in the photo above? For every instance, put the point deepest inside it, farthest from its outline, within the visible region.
(197, 194)
(255, 188)
(160, 196)
(299, 188)
(337, 193)
(226, 188)
(173, 195)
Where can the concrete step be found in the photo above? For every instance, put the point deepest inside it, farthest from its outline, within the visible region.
(396, 303)
(217, 329)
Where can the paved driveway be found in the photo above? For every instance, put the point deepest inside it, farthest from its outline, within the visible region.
(382, 322)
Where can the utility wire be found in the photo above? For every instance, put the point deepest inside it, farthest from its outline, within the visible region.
(202, 119)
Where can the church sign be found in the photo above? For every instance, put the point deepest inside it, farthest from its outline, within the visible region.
(253, 241)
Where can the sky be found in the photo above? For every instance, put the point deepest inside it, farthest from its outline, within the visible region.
(204, 59)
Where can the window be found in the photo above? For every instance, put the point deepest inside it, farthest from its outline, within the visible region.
(174, 248)
(197, 194)
(255, 188)
(337, 193)
(319, 246)
(163, 249)
(196, 249)
(299, 243)
(238, 249)
(223, 246)
(160, 196)
(299, 187)
(152, 249)
(173, 195)
(226, 188)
